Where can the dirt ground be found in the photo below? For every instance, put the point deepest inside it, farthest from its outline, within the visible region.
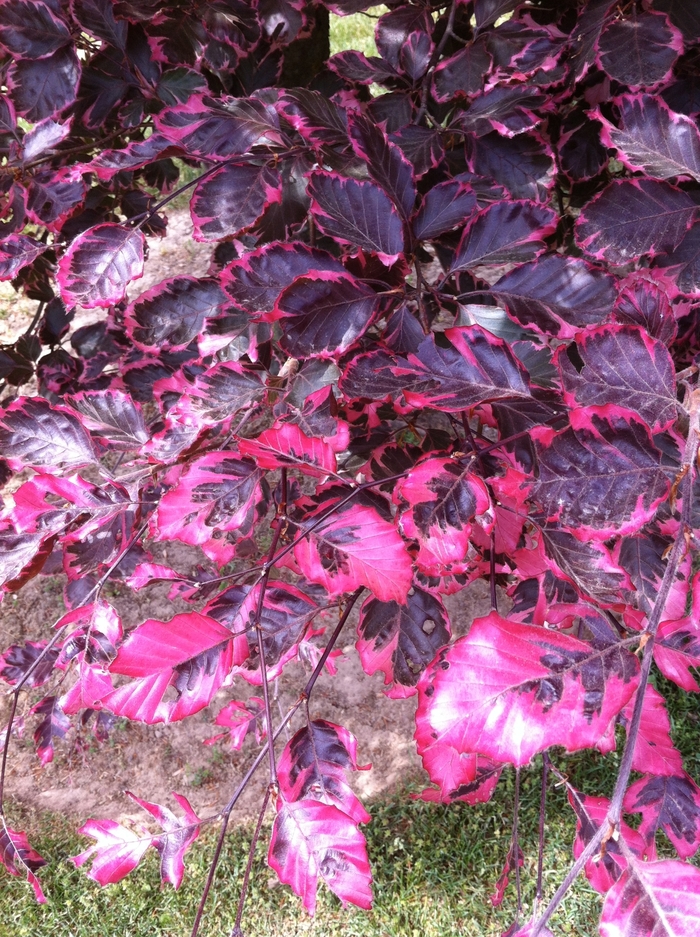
(151, 761)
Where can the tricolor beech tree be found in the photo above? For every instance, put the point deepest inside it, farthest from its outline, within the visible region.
(450, 332)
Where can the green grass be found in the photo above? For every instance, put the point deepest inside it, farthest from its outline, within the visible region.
(356, 31)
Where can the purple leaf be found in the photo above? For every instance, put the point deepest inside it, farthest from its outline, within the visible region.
(33, 433)
(116, 851)
(622, 366)
(312, 840)
(634, 217)
(670, 803)
(401, 640)
(684, 16)
(586, 35)
(52, 195)
(422, 147)
(581, 154)
(54, 725)
(323, 314)
(172, 313)
(180, 833)
(487, 12)
(99, 264)
(385, 162)
(557, 295)
(394, 28)
(463, 73)
(652, 139)
(229, 202)
(134, 156)
(359, 213)
(601, 477)
(356, 67)
(653, 897)
(43, 87)
(639, 51)
(112, 416)
(439, 500)
(645, 303)
(215, 494)
(19, 859)
(683, 263)
(30, 29)
(444, 207)
(191, 654)
(354, 546)
(319, 120)
(16, 252)
(414, 56)
(257, 279)
(522, 164)
(509, 110)
(18, 659)
(97, 18)
(589, 566)
(505, 232)
(509, 691)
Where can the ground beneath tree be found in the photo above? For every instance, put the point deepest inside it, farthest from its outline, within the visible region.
(88, 780)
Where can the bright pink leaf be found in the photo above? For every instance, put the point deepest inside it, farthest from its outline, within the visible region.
(116, 851)
(178, 836)
(654, 752)
(285, 445)
(654, 898)
(18, 857)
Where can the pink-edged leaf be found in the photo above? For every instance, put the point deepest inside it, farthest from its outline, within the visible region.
(653, 898)
(17, 659)
(353, 545)
(622, 366)
(670, 803)
(496, 898)
(394, 28)
(444, 207)
(318, 119)
(654, 751)
(422, 147)
(286, 615)
(439, 500)
(414, 57)
(54, 725)
(97, 631)
(172, 313)
(193, 654)
(677, 651)
(113, 416)
(41, 88)
(522, 164)
(324, 314)
(257, 279)
(229, 202)
(116, 851)
(589, 566)
(642, 557)
(631, 218)
(18, 251)
(19, 859)
(591, 813)
(462, 74)
(465, 367)
(99, 265)
(685, 17)
(241, 718)
(639, 51)
(285, 445)
(601, 477)
(179, 834)
(509, 691)
(216, 394)
(458, 776)
(401, 640)
(683, 263)
(216, 493)
(137, 154)
(505, 232)
(314, 766)
(357, 67)
(30, 29)
(557, 295)
(34, 433)
(651, 138)
(356, 212)
(507, 109)
(52, 195)
(97, 18)
(385, 162)
(312, 840)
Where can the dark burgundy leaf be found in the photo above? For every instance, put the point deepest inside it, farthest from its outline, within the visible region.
(684, 262)
(177, 85)
(600, 478)
(34, 433)
(99, 264)
(172, 313)
(16, 252)
(385, 162)
(356, 67)
(30, 29)
(487, 12)
(639, 51)
(586, 34)
(645, 303)
(414, 56)
(444, 207)
(401, 640)
(557, 295)
(231, 200)
(311, 840)
(622, 366)
(43, 87)
(17, 660)
(581, 154)
(652, 898)
(507, 110)
(422, 147)
(136, 155)
(357, 212)
(440, 500)
(589, 566)
(97, 18)
(652, 139)
(52, 196)
(318, 119)
(670, 803)
(257, 279)
(642, 557)
(634, 217)
(113, 416)
(463, 73)
(683, 15)
(522, 164)
(54, 725)
(22, 556)
(217, 393)
(18, 858)
(394, 28)
(505, 232)
(375, 375)
(323, 314)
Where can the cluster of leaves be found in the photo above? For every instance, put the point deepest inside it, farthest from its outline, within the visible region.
(449, 332)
